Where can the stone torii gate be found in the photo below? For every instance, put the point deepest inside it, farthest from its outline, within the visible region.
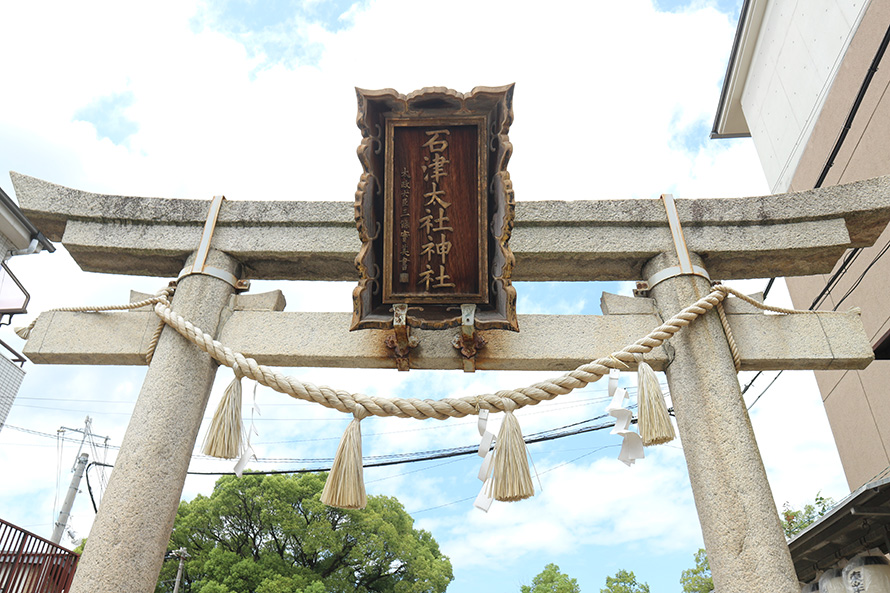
(782, 235)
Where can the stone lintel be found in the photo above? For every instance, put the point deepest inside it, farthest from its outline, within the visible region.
(780, 235)
(120, 338)
(272, 300)
(546, 342)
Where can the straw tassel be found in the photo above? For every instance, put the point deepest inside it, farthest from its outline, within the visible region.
(345, 486)
(25, 332)
(225, 438)
(511, 479)
(655, 421)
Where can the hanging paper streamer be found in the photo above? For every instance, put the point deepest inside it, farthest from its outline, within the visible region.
(614, 375)
(484, 499)
(632, 447)
(248, 450)
(242, 463)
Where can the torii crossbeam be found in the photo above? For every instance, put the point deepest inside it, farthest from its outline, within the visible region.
(782, 235)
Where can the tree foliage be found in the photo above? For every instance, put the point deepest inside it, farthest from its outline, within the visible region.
(551, 580)
(271, 534)
(796, 520)
(698, 578)
(624, 581)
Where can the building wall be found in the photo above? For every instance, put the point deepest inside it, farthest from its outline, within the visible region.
(5, 247)
(857, 402)
(11, 376)
(797, 56)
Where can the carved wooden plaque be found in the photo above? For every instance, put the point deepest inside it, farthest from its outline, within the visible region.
(434, 208)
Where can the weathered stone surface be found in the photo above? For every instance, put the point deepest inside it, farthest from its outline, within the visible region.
(742, 534)
(91, 338)
(583, 240)
(126, 545)
(800, 342)
(616, 304)
(732, 305)
(546, 342)
(264, 301)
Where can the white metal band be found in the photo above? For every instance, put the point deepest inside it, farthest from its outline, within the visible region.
(211, 271)
(674, 271)
(677, 233)
(200, 264)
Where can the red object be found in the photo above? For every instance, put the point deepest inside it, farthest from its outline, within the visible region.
(32, 564)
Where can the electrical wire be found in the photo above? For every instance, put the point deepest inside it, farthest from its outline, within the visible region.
(398, 459)
(832, 282)
(851, 257)
(769, 286)
(46, 434)
(750, 383)
(550, 408)
(862, 275)
(576, 402)
(779, 374)
(555, 467)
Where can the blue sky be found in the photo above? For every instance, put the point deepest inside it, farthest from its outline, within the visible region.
(256, 100)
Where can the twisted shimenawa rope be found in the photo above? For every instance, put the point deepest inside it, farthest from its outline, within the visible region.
(357, 403)
(162, 295)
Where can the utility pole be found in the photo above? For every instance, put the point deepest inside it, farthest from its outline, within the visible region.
(182, 554)
(69, 498)
(80, 464)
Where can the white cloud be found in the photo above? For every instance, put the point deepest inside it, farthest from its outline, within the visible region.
(599, 503)
(612, 101)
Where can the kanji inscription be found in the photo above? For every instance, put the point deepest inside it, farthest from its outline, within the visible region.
(435, 211)
(434, 208)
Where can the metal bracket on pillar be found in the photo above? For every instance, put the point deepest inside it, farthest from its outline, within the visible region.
(400, 341)
(686, 268)
(468, 341)
(199, 266)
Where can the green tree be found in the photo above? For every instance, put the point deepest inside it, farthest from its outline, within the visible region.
(624, 581)
(550, 580)
(272, 534)
(796, 520)
(698, 578)
(80, 546)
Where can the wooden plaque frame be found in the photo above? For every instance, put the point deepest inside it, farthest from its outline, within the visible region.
(470, 203)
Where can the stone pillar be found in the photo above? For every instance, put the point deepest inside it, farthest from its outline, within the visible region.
(746, 547)
(126, 546)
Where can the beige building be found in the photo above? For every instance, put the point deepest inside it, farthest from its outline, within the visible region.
(808, 82)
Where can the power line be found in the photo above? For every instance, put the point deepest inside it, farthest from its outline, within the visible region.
(553, 407)
(820, 298)
(851, 257)
(750, 383)
(413, 456)
(399, 459)
(862, 275)
(779, 374)
(769, 286)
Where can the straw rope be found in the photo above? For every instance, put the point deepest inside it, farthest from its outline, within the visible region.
(733, 347)
(162, 295)
(360, 404)
(357, 403)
